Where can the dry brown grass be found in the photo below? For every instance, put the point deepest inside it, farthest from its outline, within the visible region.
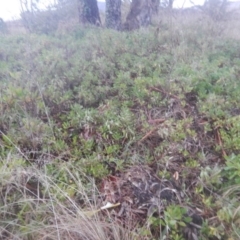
(189, 20)
(45, 211)
(181, 20)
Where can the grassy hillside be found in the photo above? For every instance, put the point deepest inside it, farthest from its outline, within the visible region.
(147, 121)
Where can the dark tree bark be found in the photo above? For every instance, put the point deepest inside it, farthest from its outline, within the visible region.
(113, 14)
(155, 6)
(170, 4)
(88, 12)
(140, 14)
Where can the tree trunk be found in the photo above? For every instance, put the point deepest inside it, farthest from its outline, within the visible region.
(113, 14)
(155, 6)
(88, 12)
(170, 4)
(140, 14)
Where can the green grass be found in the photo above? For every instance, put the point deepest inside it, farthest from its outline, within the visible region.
(73, 104)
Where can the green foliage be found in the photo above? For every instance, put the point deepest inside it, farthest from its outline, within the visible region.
(230, 132)
(174, 219)
(232, 170)
(73, 104)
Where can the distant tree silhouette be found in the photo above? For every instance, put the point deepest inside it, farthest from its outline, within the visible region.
(216, 9)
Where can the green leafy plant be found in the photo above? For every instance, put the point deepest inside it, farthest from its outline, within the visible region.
(79, 109)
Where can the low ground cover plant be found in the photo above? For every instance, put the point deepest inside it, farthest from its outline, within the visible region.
(147, 121)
